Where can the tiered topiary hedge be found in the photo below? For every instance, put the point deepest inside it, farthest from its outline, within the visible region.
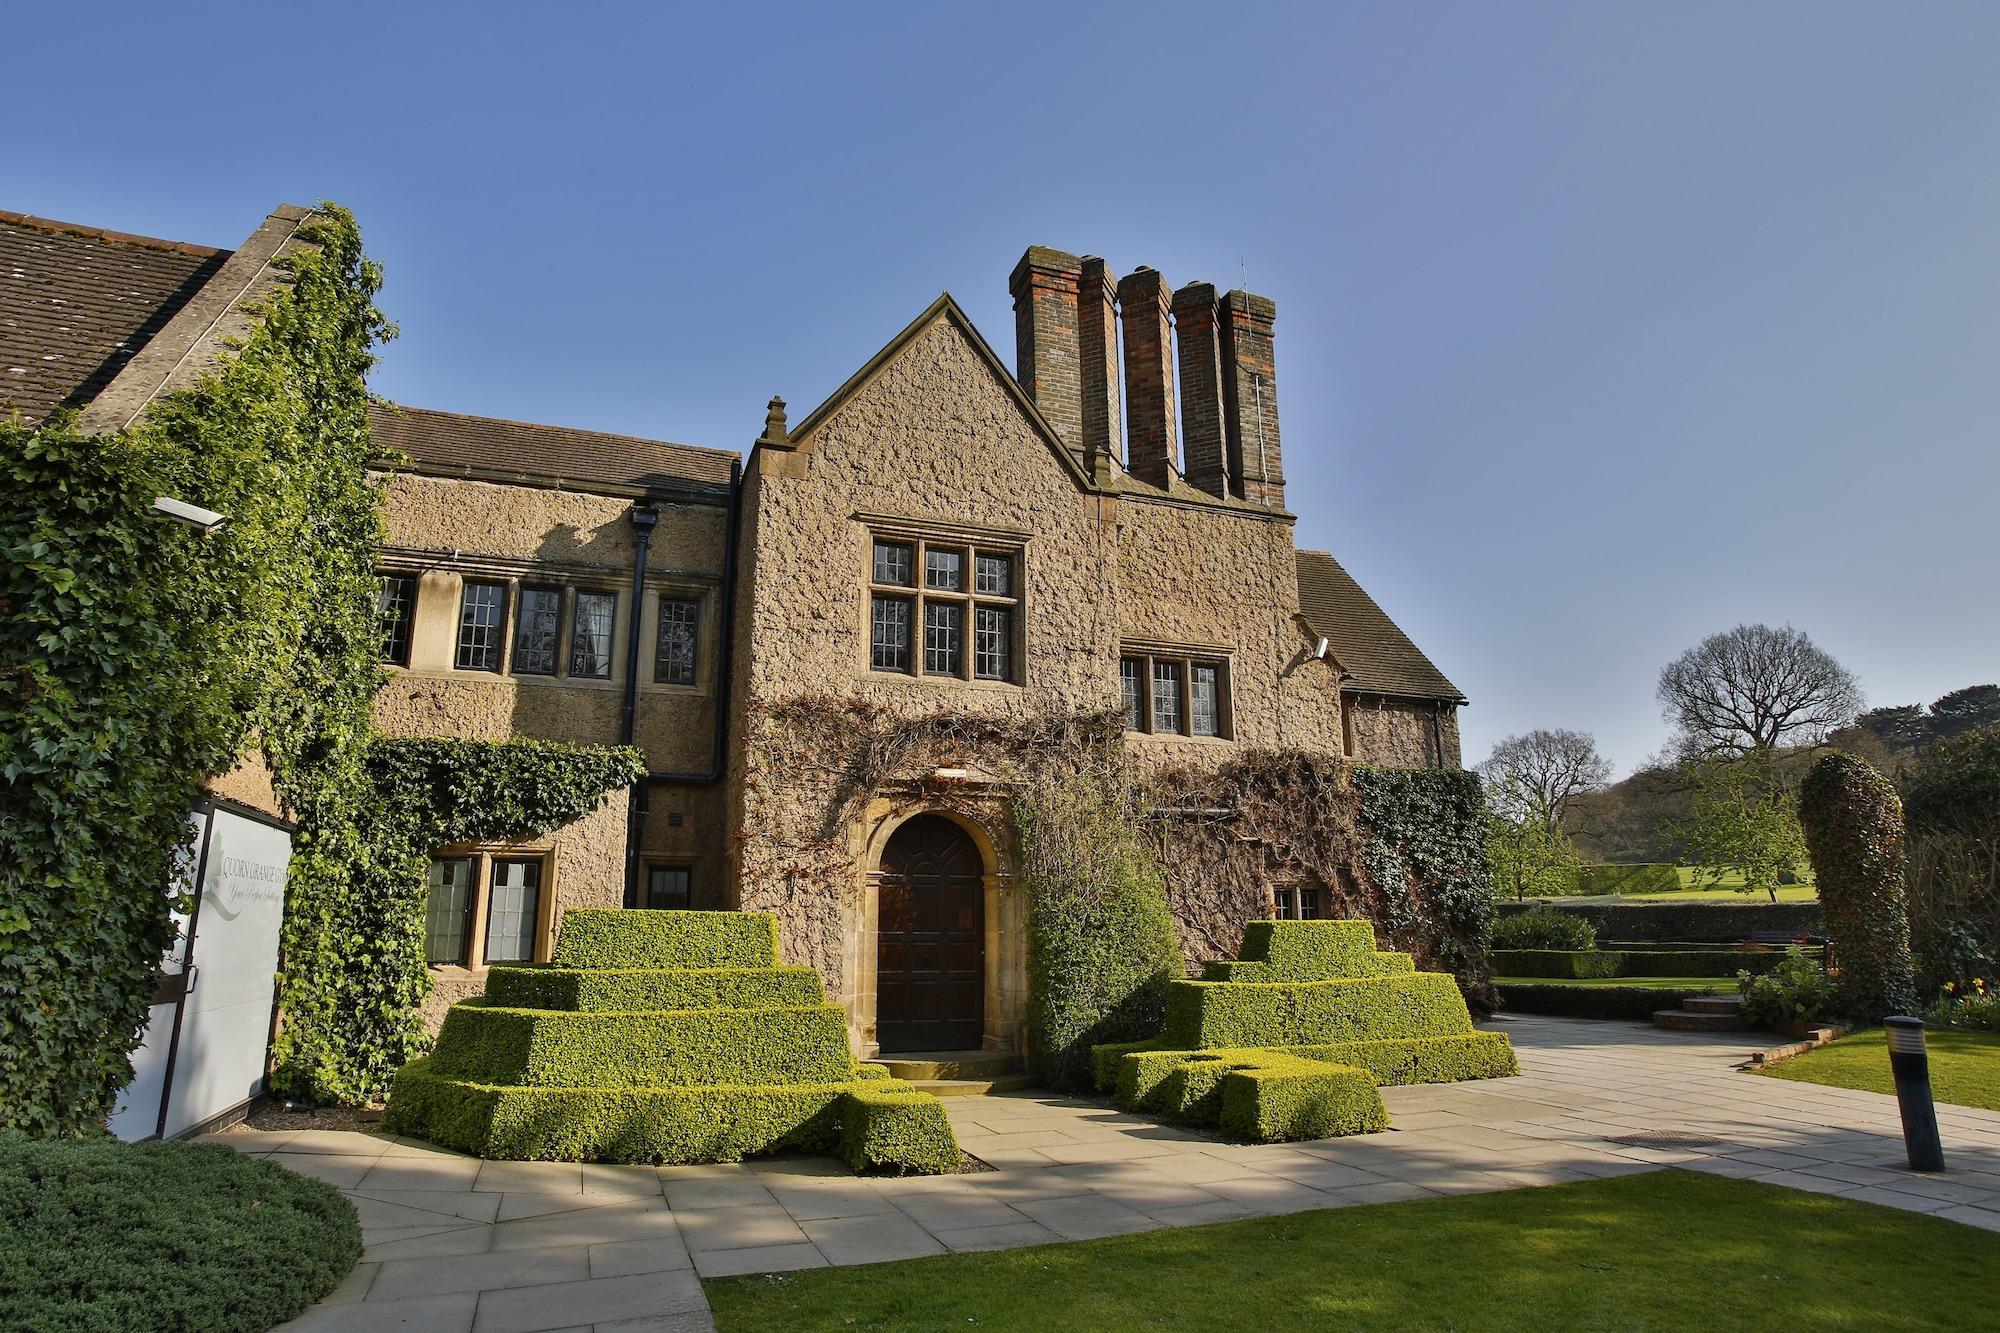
(1290, 1040)
(662, 1037)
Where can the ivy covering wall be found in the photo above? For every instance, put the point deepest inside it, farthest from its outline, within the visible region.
(141, 656)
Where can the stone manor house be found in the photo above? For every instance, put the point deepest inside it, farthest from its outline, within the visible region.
(1103, 525)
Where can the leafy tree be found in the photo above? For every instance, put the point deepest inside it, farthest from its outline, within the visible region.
(1529, 858)
(1964, 710)
(1752, 689)
(1532, 778)
(1744, 817)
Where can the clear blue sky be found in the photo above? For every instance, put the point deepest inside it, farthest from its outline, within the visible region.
(1601, 326)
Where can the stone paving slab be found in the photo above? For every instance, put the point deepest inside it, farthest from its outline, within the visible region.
(463, 1246)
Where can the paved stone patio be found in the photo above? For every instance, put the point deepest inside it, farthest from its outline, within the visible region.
(458, 1245)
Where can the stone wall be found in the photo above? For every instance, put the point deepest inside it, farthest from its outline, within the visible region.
(1403, 733)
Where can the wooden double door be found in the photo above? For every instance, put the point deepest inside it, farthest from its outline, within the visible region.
(930, 960)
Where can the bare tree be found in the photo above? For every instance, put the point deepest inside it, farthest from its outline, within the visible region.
(1530, 778)
(1753, 688)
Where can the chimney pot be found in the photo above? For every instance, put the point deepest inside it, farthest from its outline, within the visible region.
(1198, 335)
(1250, 398)
(1046, 352)
(1149, 376)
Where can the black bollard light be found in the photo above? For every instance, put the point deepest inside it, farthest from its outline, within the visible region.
(1911, 1065)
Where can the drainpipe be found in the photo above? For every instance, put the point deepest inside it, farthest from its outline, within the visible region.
(644, 517)
(635, 825)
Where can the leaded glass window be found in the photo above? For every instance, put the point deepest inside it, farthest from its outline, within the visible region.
(448, 910)
(1205, 699)
(395, 609)
(889, 634)
(537, 629)
(993, 643)
(669, 887)
(993, 574)
(674, 657)
(1132, 691)
(481, 612)
(513, 906)
(1166, 696)
(944, 569)
(944, 638)
(892, 563)
(590, 635)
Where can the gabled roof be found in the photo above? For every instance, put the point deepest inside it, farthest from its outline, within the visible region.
(77, 303)
(948, 309)
(487, 448)
(1377, 656)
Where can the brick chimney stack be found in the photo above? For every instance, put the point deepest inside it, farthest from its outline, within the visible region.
(1097, 330)
(1199, 337)
(1250, 398)
(1046, 351)
(1149, 376)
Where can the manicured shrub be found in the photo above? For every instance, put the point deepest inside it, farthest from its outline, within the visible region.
(1798, 990)
(1101, 942)
(1205, 1015)
(1469, 1055)
(1308, 951)
(1544, 928)
(662, 1084)
(98, 1236)
(1280, 1100)
(1586, 964)
(649, 1049)
(1648, 877)
(597, 937)
(1632, 1003)
(889, 1126)
(1105, 1060)
(1853, 822)
(1706, 922)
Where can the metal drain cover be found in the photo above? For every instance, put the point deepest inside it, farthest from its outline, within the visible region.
(1664, 1138)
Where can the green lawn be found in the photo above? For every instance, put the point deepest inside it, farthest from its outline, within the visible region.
(1665, 1250)
(1965, 1066)
(1729, 889)
(1718, 985)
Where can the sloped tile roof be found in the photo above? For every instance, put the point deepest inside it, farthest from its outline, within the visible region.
(1378, 656)
(493, 449)
(77, 303)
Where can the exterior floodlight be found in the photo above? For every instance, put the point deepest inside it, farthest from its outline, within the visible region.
(1910, 1062)
(202, 520)
(1319, 649)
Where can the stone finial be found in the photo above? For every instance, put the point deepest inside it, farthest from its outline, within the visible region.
(776, 434)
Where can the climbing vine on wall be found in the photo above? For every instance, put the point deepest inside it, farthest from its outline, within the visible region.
(355, 972)
(141, 657)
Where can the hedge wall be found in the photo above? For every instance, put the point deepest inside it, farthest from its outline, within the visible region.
(1586, 964)
(1720, 923)
(1648, 877)
(1634, 1003)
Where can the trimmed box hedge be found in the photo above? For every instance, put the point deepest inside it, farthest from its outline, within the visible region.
(1586, 964)
(533, 986)
(1706, 922)
(668, 1037)
(886, 1125)
(1646, 877)
(1207, 1015)
(1263, 1095)
(1308, 951)
(618, 938)
(1636, 1003)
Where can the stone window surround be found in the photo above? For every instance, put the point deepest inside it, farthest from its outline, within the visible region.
(973, 540)
(1186, 656)
(482, 856)
(571, 579)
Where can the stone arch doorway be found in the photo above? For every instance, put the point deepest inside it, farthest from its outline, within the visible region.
(930, 954)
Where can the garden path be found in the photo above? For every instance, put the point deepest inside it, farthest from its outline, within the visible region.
(463, 1246)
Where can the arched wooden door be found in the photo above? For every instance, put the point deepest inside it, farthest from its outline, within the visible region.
(931, 939)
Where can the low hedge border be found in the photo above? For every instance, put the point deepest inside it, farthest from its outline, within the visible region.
(98, 1236)
(1260, 1095)
(624, 938)
(1586, 964)
(1636, 1003)
(663, 1048)
(1708, 922)
(900, 1128)
(532, 986)
(1134, 1071)
(1209, 1015)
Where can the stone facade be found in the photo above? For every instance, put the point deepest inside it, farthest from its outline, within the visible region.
(1171, 572)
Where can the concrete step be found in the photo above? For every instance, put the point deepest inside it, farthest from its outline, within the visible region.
(1713, 1004)
(931, 1066)
(1684, 1020)
(973, 1087)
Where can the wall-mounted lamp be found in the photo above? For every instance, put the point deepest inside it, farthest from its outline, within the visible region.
(1319, 649)
(201, 520)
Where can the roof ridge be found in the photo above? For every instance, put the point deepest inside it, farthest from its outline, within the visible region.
(551, 426)
(59, 228)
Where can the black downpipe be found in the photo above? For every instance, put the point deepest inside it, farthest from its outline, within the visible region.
(644, 517)
(725, 661)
